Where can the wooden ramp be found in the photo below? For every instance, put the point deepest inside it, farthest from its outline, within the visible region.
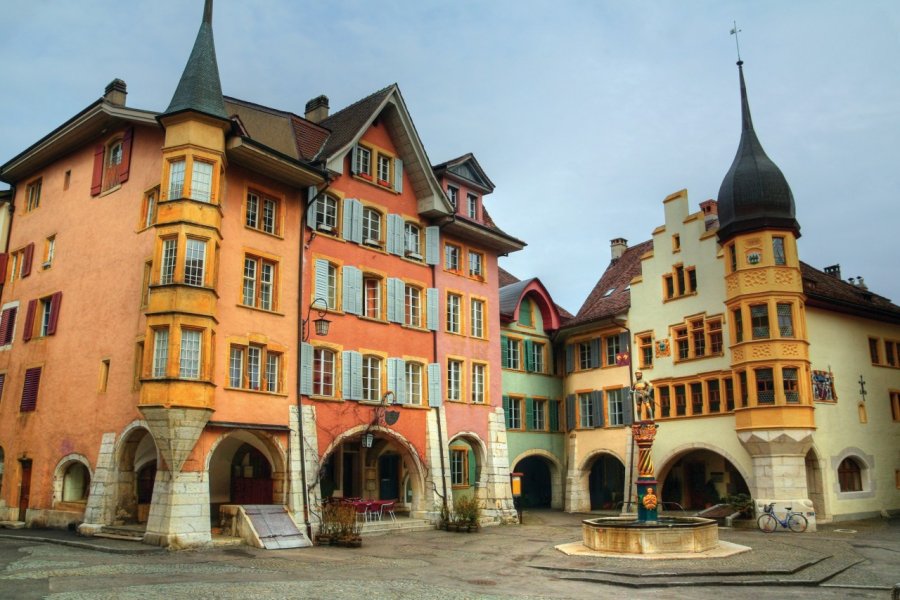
(274, 527)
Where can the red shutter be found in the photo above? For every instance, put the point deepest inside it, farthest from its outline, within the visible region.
(27, 258)
(7, 323)
(29, 320)
(30, 389)
(97, 181)
(4, 260)
(125, 165)
(2, 384)
(55, 301)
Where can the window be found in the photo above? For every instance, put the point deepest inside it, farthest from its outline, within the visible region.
(732, 257)
(194, 262)
(176, 179)
(453, 196)
(538, 419)
(412, 306)
(586, 410)
(169, 256)
(738, 325)
(665, 402)
(201, 181)
(765, 386)
(104, 375)
(526, 318)
(326, 214)
(459, 466)
(873, 351)
(261, 213)
(696, 398)
(513, 413)
(612, 349)
(148, 214)
(478, 381)
(411, 241)
(454, 302)
(371, 378)
(785, 320)
(585, 358)
(537, 357)
(680, 282)
(616, 400)
(729, 394)
(257, 368)
(49, 315)
(451, 257)
(645, 346)
(8, 324)
(372, 297)
(67, 180)
(472, 206)
(682, 343)
(715, 399)
(850, 476)
(791, 385)
(323, 372)
(680, 401)
(371, 223)
(676, 243)
(33, 195)
(891, 355)
(273, 370)
(698, 337)
(363, 161)
(759, 321)
(714, 330)
(413, 383)
(476, 264)
(114, 154)
(76, 483)
(745, 390)
(384, 169)
(476, 318)
(454, 380)
(513, 353)
(259, 283)
(49, 251)
(30, 389)
(895, 405)
(160, 352)
(189, 362)
(778, 250)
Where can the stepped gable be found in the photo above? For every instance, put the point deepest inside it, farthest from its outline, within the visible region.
(618, 276)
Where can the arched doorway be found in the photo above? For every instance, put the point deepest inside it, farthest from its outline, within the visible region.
(245, 468)
(606, 482)
(251, 477)
(537, 486)
(699, 479)
(133, 496)
(814, 486)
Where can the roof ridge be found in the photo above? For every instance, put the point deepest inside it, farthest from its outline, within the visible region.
(360, 101)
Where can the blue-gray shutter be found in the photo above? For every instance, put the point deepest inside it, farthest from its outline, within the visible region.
(347, 374)
(397, 379)
(398, 175)
(395, 291)
(357, 376)
(306, 368)
(352, 301)
(435, 398)
(352, 220)
(392, 376)
(529, 414)
(506, 411)
(432, 316)
(598, 407)
(504, 352)
(553, 408)
(395, 224)
(353, 152)
(311, 201)
(322, 280)
(624, 347)
(595, 353)
(627, 407)
(529, 359)
(432, 245)
(570, 412)
(570, 358)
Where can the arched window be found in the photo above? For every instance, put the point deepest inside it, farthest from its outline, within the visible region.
(371, 223)
(326, 214)
(850, 475)
(76, 483)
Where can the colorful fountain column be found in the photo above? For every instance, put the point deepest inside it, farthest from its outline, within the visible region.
(644, 431)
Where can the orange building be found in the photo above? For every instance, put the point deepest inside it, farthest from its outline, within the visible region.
(207, 240)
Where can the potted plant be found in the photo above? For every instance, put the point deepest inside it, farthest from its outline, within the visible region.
(468, 512)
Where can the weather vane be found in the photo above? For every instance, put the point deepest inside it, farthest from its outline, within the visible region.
(735, 31)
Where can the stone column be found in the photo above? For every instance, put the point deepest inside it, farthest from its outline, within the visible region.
(179, 513)
(498, 495)
(578, 496)
(312, 463)
(99, 506)
(436, 445)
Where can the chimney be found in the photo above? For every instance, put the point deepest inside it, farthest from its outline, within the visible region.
(861, 284)
(834, 271)
(317, 109)
(617, 247)
(710, 210)
(115, 92)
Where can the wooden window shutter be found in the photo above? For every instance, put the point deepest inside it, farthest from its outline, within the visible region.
(4, 260)
(398, 175)
(570, 412)
(27, 259)
(30, 389)
(353, 153)
(624, 351)
(97, 178)
(431, 308)
(529, 359)
(125, 165)
(306, 368)
(529, 413)
(352, 301)
(570, 358)
(553, 408)
(627, 407)
(432, 245)
(55, 301)
(29, 320)
(311, 193)
(7, 324)
(435, 398)
(506, 410)
(595, 353)
(598, 408)
(2, 384)
(504, 352)
(321, 280)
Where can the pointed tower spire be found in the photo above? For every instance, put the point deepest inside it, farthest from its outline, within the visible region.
(754, 194)
(199, 88)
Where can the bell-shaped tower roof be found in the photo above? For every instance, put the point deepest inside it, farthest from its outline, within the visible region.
(754, 194)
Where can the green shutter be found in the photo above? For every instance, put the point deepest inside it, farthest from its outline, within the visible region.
(506, 410)
(553, 408)
(473, 464)
(529, 413)
(570, 358)
(311, 193)
(529, 359)
(431, 309)
(504, 352)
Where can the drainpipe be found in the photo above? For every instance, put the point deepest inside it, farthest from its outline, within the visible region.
(435, 350)
(304, 487)
(630, 399)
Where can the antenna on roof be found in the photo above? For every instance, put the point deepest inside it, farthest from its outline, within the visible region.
(735, 31)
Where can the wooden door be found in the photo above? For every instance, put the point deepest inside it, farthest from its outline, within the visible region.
(25, 489)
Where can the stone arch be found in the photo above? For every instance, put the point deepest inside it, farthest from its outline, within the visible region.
(259, 484)
(555, 467)
(672, 459)
(135, 448)
(480, 450)
(815, 482)
(65, 478)
(866, 463)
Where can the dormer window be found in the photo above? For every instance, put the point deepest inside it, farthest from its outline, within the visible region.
(384, 169)
(472, 206)
(362, 162)
(453, 196)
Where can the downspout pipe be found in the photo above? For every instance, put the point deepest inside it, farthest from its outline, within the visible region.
(630, 399)
(435, 350)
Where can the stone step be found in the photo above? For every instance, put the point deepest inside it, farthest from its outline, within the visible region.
(405, 525)
(12, 524)
(119, 536)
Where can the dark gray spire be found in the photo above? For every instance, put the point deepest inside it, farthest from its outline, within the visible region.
(754, 194)
(199, 88)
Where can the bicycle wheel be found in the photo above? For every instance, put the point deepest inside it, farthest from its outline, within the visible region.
(797, 523)
(767, 523)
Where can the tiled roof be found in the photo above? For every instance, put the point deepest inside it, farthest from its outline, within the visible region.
(347, 122)
(309, 137)
(828, 292)
(505, 277)
(510, 295)
(617, 277)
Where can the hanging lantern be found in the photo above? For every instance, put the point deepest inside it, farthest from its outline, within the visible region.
(368, 439)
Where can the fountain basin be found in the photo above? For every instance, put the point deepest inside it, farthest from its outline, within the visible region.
(668, 535)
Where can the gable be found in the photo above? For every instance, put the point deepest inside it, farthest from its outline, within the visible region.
(467, 172)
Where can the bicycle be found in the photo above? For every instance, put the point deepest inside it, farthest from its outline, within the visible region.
(769, 521)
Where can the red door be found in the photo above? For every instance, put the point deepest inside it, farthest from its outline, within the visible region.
(25, 488)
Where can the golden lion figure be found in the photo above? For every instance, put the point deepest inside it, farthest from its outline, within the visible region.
(650, 500)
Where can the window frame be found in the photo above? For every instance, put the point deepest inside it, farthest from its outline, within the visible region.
(372, 216)
(452, 250)
(476, 265)
(257, 284)
(459, 466)
(476, 317)
(412, 306)
(320, 372)
(414, 372)
(327, 209)
(478, 387)
(256, 213)
(372, 377)
(33, 194)
(453, 320)
(455, 368)
(412, 232)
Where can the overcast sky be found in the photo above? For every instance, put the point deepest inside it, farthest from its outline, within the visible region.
(585, 114)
